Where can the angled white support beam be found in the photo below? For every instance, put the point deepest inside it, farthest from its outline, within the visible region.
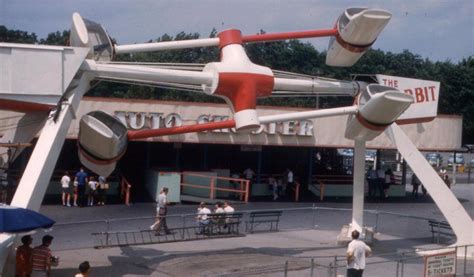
(36, 177)
(460, 221)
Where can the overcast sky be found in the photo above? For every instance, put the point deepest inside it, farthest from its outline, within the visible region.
(436, 29)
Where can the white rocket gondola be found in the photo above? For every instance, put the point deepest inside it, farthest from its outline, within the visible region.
(102, 141)
(379, 106)
(357, 29)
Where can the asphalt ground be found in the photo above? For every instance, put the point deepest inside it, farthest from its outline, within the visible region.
(304, 233)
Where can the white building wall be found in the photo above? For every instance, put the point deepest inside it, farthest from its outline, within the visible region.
(442, 134)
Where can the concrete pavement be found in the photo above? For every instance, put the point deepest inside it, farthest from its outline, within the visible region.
(304, 233)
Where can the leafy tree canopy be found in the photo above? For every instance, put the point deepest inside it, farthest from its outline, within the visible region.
(457, 79)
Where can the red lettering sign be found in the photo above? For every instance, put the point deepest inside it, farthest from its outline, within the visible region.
(422, 94)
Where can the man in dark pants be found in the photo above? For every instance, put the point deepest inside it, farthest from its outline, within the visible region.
(81, 179)
(357, 250)
(162, 212)
(372, 181)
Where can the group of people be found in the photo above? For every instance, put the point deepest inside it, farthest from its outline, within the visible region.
(279, 186)
(85, 190)
(37, 261)
(416, 183)
(34, 261)
(379, 181)
(203, 213)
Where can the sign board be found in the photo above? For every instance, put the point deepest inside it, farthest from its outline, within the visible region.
(425, 94)
(443, 264)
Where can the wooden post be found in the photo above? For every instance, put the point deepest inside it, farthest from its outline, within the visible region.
(212, 192)
(297, 192)
(127, 194)
(247, 186)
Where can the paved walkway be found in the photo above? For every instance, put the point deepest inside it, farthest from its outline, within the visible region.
(304, 233)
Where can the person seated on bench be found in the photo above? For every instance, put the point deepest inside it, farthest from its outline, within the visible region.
(202, 217)
(219, 219)
(228, 208)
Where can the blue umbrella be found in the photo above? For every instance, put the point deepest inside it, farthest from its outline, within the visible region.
(19, 220)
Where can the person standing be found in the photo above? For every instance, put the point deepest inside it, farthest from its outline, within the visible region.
(102, 190)
(162, 211)
(447, 181)
(42, 258)
(357, 250)
(415, 182)
(24, 257)
(66, 187)
(381, 182)
(91, 191)
(82, 179)
(372, 181)
(274, 186)
(389, 180)
(290, 182)
(248, 175)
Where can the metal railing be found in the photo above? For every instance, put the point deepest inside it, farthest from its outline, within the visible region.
(304, 218)
(212, 185)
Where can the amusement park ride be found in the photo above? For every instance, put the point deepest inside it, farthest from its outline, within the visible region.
(53, 95)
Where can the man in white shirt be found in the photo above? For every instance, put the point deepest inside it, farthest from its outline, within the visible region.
(357, 250)
(202, 217)
(66, 188)
(228, 208)
(290, 183)
(161, 212)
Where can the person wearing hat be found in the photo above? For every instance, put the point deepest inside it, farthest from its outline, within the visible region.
(24, 257)
(42, 257)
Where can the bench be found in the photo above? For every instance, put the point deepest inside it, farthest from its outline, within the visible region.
(271, 218)
(223, 223)
(440, 228)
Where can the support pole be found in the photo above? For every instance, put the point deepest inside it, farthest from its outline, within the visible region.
(36, 177)
(358, 188)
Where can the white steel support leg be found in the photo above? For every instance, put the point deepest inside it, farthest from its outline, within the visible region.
(37, 175)
(456, 215)
(358, 188)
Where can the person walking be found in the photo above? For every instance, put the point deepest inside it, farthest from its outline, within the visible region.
(357, 250)
(161, 211)
(24, 257)
(82, 179)
(66, 188)
(42, 258)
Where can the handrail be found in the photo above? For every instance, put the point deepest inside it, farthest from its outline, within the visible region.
(125, 187)
(320, 189)
(244, 190)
